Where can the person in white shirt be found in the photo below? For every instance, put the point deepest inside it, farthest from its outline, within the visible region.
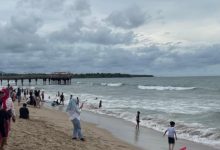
(171, 135)
(74, 115)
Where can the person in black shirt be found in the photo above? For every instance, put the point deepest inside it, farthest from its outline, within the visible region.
(138, 119)
(62, 99)
(100, 103)
(24, 112)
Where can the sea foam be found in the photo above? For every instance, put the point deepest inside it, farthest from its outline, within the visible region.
(162, 88)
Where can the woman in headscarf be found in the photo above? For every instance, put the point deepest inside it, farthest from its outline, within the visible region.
(3, 122)
(8, 106)
(74, 115)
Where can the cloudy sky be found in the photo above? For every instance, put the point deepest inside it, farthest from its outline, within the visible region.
(160, 37)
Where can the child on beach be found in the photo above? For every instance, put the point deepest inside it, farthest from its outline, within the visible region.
(138, 119)
(24, 112)
(171, 134)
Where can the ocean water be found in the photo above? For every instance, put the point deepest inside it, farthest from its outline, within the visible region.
(192, 102)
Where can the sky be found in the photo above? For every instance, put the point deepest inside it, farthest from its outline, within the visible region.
(159, 37)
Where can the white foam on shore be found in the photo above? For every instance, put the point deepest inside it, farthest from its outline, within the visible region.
(193, 132)
(114, 84)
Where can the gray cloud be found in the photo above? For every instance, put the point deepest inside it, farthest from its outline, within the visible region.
(78, 32)
(44, 5)
(79, 7)
(19, 35)
(132, 17)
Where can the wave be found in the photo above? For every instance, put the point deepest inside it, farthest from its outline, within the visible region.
(189, 131)
(104, 84)
(112, 84)
(162, 88)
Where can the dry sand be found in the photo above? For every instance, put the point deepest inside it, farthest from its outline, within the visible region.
(50, 129)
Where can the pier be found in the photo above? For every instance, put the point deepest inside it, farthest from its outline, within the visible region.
(50, 79)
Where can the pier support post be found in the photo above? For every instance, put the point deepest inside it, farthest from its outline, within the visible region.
(36, 81)
(29, 82)
(22, 82)
(44, 81)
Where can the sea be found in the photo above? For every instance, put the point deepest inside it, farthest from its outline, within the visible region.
(192, 102)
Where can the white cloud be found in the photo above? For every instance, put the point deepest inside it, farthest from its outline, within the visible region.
(131, 17)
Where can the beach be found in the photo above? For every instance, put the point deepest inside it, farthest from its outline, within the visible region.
(194, 106)
(49, 129)
(145, 138)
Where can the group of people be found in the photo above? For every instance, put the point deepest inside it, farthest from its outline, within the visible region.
(35, 98)
(74, 109)
(7, 112)
(59, 99)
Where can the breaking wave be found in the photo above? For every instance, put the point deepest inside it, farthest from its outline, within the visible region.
(162, 88)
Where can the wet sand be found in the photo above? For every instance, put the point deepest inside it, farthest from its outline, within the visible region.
(145, 138)
(50, 129)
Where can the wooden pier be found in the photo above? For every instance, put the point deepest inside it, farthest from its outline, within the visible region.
(51, 79)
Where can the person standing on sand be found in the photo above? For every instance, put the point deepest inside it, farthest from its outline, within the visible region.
(25, 93)
(13, 95)
(171, 134)
(62, 99)
(19, 96)
(74, 115)
(3, 122)
(77, 101)
(8, 106)
(42, 96)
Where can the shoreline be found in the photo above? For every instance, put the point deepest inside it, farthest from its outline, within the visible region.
(125, 131)
(146, 137)
(50, 129)
(100, 130)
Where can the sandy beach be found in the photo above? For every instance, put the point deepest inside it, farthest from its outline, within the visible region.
(50, 129)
